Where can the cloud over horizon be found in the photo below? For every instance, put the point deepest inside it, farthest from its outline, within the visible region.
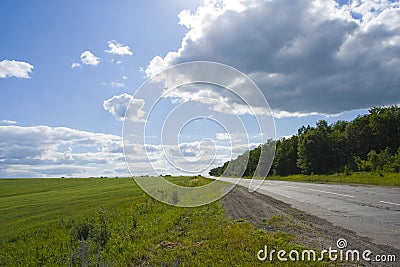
(42, 151)
(308, 57)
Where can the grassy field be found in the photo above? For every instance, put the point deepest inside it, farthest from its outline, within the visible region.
(189, 181)
(366, 178)
(111, 222)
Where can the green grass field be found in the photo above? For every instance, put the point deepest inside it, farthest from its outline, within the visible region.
(111, 222)
(189, 181)
(365, 178)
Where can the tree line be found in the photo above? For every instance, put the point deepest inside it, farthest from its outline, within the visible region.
(370, 142)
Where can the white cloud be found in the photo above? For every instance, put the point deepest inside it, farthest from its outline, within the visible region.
(115, 84)
(12, 68)
(188, 157)
(308, 57)
(118, 106)
(156, 65)
(278, 114)
(8, 122)
(118, 49)
(223, 136)
(88, 58)
(233, 100)
(75, 65)
(42, 151)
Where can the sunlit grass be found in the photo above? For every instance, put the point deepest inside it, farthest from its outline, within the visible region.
(367, 178)
(189, 181)
(100, 222)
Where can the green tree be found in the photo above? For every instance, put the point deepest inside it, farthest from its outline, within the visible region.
(315, 150)
(285, 162)
(396, 161)
(382, 161)
(342, 158)
(359, 137)
(384, 123)
(254, 156)
(324, 149)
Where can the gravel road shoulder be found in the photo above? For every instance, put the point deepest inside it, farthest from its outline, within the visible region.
(310, 231)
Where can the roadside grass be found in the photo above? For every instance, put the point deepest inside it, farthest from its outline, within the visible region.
(189, 181)
(366, 178)
(111, 222)
(279, 221)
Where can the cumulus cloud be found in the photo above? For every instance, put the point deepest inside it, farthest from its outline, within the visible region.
(190, 157)
(118, 49)
(42, 151)
(75, 65)
(88, 58)
(118, 107)
(12, 68)
(308, 57)
(156, 65)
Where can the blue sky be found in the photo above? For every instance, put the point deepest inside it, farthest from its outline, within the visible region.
(61, 117)
(52, 35)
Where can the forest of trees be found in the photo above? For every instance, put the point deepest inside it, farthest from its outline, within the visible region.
(368, 143)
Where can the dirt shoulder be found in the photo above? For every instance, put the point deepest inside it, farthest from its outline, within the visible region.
(310, 231)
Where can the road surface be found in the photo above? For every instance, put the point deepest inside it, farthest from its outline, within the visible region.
(370, 211)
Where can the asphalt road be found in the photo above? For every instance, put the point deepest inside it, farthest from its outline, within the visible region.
(370, 211)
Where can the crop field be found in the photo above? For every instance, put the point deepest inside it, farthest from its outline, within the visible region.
(112, 222)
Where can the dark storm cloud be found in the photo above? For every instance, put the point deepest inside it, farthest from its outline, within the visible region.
(306, 56)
